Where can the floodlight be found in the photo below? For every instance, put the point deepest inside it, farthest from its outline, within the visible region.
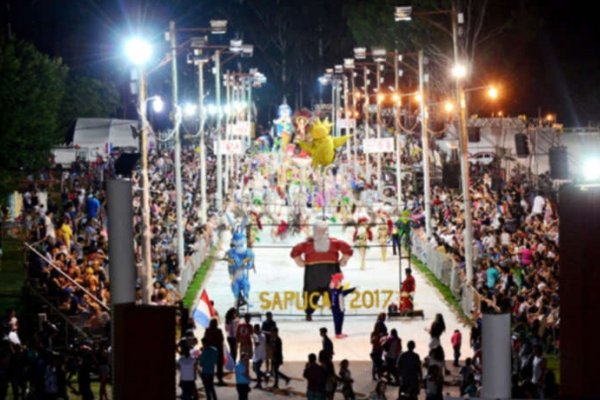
(218, 26)
(492, 93)
(349, 63)
(403, 13)
(338, 69)
(247, 50)
(157, 104)
(198, 42)
(138, 51)
(189, 109)
(459, 71)
(360, 53)
(235, 45)
(378, 53)
(591, 169)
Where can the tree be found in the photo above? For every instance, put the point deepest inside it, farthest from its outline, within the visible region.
(87, 98)
(31, 89)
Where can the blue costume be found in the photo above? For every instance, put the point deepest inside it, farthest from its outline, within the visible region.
(240, 260)
(337, 294)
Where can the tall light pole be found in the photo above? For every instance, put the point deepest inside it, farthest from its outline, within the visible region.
(397, 101)
(366, 112)
(139, 52)
(219, 197)
(425, 140)
(178, 184)
(378, 121)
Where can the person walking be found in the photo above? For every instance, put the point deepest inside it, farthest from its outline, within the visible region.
(214, 337)
(243, 335)
(187, 375)
(392, 348)
(207, 361)
(277, 358)
(434, 383)
(315, 379)
(327, 343)
(456, 341)
(232, 321)
(260, 353)
(346, 380)
(267, 328)
(409, 370)
(242, 377)
(379, 392)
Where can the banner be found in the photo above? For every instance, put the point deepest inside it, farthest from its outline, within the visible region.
(230, 147)
(241, 128)
(382, 145)
(346, 123)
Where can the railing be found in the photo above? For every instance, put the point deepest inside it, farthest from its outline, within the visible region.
(192, 265)
(445, 269)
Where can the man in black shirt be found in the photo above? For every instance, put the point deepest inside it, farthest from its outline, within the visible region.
(409, 368)
(327, 343)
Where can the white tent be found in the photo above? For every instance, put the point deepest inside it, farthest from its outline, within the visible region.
(99, 135)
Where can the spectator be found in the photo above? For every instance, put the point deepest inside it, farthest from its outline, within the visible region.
(209, 357)
(243, 336)
(392, 348)
(346, 380)
(278, 358)
(242, 377)
(327, 344)
(379, 392)
(214, 338)
(260, 353)
(187, 375)
(409, 368)
(231, 324)
(456, 341)
(315, 377)
(434, 383)
(267, 328)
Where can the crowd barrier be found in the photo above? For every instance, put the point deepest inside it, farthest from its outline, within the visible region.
(192, 265)
(444, 268)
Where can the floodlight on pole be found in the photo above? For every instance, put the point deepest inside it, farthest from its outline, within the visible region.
(492, 92)
(190, 109)
(379, 54)
(360, 53)
(218, 26)
(403, 13)
(323, 80)
(591, 169)
(138, 51)
(459, 71)
(449, 106)
(158, 105)
(247, 50)
(235, 45)
(349, 63)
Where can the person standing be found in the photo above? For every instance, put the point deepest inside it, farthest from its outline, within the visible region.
(242, 376)
(260, 353)
(409, 369)
(231, 323)
(214, 337)
(337, 294)
(187, 375)
(243, 336)
(327, 343)
(267, 329)
(456, 341)
(207, 361)
(277, 346)
(315, 379)
(346, 380)
(434, 383)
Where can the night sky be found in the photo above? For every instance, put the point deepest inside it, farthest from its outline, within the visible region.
(556, 63)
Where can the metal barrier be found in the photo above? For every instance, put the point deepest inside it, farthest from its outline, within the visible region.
(444, 268)
(192, 265)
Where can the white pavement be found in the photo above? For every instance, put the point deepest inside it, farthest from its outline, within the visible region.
(277, 273)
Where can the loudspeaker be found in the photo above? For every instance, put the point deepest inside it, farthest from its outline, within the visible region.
(559, 163)
(126, 163)
(474, 133)
(522, 144)
(451, 175)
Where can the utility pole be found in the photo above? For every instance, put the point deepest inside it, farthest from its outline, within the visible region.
(378, 119)
(464, 154)
(178, 185)
(204, 205)
(425, 140)
(397, 105)
(366, 106)
(146, 232)
(219, 197)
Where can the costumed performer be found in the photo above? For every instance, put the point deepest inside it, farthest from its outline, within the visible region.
(384, 228)
(337, 293)
(252, 229)
(362, 235)
(407, 292)
(321, 257)
(322, 145)
(240, 259)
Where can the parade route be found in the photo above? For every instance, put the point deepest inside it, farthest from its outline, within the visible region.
(278, 276)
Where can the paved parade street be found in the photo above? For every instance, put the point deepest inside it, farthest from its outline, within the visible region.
(276, 273)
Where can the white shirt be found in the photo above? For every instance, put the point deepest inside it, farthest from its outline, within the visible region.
(260, 351)
(537, 370)
(186, 368)
(538, 205)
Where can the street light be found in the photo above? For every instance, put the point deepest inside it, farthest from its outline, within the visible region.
(218, 26)
(190, 109)
(158, 105)
(492, 93)
(138, 51)
(449, 106)
(459, 71)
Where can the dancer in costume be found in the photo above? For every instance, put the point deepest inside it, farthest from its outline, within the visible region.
(337, 294)
(321, 257)
(407, 292)
(384, 227)
(240, 259)
(322, 146)
(362, 235)
(252, 229)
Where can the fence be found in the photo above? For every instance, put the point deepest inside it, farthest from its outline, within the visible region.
(445, 269)
(192, 265)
